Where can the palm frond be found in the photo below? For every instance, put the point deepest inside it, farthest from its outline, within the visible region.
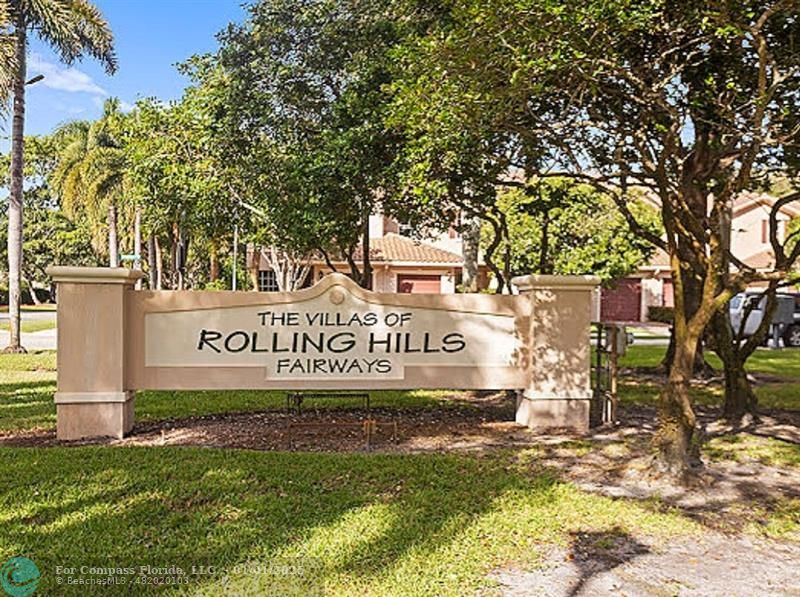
(72, 191)
(8, 60)
(94, 34)
(74, 28)
(52, 21)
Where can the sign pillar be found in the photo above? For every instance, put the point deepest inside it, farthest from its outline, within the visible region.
(559, 390)
(93, 398)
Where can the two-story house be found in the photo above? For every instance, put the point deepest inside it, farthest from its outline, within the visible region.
(399, 262)
(651, 285)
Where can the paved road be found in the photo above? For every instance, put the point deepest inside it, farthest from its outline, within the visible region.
(32, 315)
(44, 340)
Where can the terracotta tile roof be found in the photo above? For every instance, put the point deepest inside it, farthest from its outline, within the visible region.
(660, 259)
(763, 260)
(748, 201)
(394, 248)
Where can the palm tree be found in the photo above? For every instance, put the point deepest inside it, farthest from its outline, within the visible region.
(90, 177)
(73, 28)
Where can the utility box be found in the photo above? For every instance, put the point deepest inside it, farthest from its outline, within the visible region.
(784, 314)
(616, 340)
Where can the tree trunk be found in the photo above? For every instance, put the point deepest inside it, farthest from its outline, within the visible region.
(34, 298)
(16, 192)
(255, 263)
(506, 250)
(739, 397)
(137, 244)
(740, 400)
(113, 251)
(174, 256)
(213, 262)
(678, 452)
(701, 369)
(692, 291)
(544, 250)
(151, 261)
(489, 255)
(470, 250)
(159, 272)
(366, 269)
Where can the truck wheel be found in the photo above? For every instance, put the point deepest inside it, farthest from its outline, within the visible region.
(792, 336)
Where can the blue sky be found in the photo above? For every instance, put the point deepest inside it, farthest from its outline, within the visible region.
(151, 36)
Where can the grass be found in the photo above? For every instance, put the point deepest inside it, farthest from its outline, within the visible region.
(28, 326)
(28, 382)
(248, 522)
(369, 524)
(751, 448)
(781, 395)
(784, 362)
(31, 308)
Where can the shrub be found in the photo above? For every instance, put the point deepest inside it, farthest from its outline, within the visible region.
(661, 314)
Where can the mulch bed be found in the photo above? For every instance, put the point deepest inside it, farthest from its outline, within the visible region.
(482, 421)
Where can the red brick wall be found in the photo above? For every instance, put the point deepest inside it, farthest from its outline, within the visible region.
(622, 302)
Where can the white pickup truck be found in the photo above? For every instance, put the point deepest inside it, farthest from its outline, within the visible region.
(787, 315)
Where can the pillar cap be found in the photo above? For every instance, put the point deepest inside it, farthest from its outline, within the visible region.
(93, 275)
(532, 281)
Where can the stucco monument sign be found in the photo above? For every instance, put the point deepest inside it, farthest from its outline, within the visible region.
(114, 340)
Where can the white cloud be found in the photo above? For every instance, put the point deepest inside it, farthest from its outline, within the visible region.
(62, 78)
(125, 106)
(70, 108)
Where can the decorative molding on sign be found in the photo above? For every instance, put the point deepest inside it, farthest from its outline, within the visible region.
(91, 397)
(93, 275)
(540, 281)
(188, 300)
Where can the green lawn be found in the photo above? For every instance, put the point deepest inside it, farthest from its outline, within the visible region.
(30, 325)
(784, 362)
(341, 524)
(24, 308)
(776, 395)
(361, 524)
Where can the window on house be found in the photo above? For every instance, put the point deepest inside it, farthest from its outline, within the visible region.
(267, 281)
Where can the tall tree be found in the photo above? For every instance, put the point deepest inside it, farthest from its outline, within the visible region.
(73, 28)
(50, 237)
(689, 100)
(569, 228)
(307, 84)
(91, 179)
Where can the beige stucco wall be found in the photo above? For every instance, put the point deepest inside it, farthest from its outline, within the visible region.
(747, 239)
(114, 340)
(449, 307)
(652, 295)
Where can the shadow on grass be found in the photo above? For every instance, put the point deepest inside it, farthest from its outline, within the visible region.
(17, 387)
(746, 486)
(190, 507)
